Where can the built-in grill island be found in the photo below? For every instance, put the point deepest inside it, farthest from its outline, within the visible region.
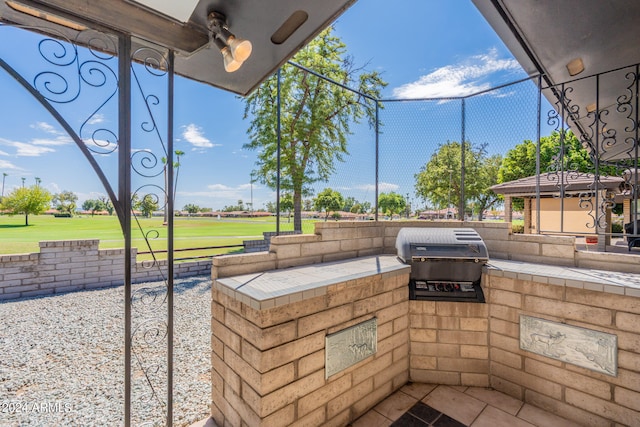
(446, 263)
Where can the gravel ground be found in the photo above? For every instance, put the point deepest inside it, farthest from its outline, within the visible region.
(62, 357)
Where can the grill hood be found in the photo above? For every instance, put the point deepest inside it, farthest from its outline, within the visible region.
(421, 243)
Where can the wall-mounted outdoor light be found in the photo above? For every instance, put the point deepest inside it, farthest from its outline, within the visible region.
(234, 49)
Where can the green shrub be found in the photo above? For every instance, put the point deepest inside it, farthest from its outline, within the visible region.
(517, 228)
(616, 227)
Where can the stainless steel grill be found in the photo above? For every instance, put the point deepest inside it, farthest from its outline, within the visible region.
(446, 263)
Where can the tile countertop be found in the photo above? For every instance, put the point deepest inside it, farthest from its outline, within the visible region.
(584, 278)
(272, 288)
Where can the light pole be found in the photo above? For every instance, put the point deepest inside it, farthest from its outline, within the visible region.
(38, 181)
(251, 186)
(449, 202)
(408, 206)
(4, 175)
(23, 178)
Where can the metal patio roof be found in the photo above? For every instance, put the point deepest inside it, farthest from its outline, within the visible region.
(545, 35)
(182, 26)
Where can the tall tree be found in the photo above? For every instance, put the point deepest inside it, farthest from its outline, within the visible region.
(328, 201)
(27, 200)
(108, 206)
(439, 179)
(286, 204)
(488, 176)
(64, 202)
(520, 161)
(391, 203)
(147, 205)
(93, 205)
(191, 208)
(316, 117)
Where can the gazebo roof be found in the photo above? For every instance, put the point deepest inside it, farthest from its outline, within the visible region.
(573, 182)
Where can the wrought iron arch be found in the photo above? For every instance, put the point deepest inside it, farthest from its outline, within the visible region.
(145, 323)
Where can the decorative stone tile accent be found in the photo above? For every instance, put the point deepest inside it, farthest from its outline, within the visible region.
(582, 347)
(350, 346)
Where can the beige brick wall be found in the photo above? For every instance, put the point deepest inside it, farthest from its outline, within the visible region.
(449, 343)
(587, 397)
(72, 265)
(269, 365)
(446, 342)
(340, 240)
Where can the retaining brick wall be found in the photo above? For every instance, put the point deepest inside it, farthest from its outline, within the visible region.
(71, 265)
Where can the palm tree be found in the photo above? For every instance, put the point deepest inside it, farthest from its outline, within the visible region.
(4, 175)
(176, 166)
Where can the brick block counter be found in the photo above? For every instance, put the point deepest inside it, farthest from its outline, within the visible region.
(268, 340)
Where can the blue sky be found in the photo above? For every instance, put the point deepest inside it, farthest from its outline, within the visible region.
(427, 48)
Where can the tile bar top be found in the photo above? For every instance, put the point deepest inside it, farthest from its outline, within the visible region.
(595, 280)
(272, 288)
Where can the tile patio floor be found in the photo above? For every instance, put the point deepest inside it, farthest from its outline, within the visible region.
(422, 405)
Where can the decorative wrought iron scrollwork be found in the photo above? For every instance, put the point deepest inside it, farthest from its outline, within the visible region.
(624, 101)
(146, 337)
(148, 167)
(156, 65)
(74, 74)
(146, 164)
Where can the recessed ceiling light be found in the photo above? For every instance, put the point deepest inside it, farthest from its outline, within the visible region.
(289, 26)
(575, 66)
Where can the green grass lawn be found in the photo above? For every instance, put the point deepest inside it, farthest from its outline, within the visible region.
(15, 237)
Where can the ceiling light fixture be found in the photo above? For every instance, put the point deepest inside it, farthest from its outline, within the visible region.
(575, 67)
(234, 49)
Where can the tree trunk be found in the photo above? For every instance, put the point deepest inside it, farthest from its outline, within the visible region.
(26, 219)
(166, 201)
(297, 210)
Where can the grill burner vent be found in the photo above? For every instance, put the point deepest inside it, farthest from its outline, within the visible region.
(446, 263)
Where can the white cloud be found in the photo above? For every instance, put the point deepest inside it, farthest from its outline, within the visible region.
(24, 149)
(97, 119)
(37, 146)
(60, 140)
(462, 79)
(5, 165)
(193, 135)
(45, 127)
(383, 187)
(219, 187)
(222, 193)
